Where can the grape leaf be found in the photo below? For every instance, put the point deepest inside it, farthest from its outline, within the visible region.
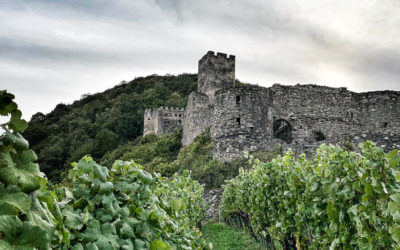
(21, 235)
(16, 123)
(13, 202)
(20, 170)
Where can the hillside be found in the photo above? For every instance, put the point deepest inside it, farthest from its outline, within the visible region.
(101, 122)
(165, 155)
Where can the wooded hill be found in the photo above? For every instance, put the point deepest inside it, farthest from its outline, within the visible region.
(98, 123)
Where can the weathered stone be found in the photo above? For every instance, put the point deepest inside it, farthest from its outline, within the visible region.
(215, 72)
(162, 120)
(197, 116)
(300, 117)
(212, 199)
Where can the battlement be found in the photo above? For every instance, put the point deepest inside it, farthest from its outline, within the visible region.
(216, 71)
(148, 112)
(171, 108)
(151, 112)
(218, 55)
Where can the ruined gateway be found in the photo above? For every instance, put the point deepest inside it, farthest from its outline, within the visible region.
(252, 118)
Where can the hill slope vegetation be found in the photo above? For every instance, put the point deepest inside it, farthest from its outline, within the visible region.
(101, 122)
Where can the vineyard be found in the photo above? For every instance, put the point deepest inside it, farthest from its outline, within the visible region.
(119, 208)
(337, 199)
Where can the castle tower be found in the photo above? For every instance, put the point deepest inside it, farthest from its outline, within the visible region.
(150, 120)
(215, 72)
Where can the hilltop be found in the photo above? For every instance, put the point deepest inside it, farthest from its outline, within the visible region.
(100, 122)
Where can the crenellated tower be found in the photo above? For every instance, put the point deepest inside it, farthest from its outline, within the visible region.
(216, 71)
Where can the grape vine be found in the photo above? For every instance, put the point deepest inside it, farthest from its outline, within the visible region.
(337, 199)
(25, 221)
(119, 208)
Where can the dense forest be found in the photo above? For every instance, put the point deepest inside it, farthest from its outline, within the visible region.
(100, 122)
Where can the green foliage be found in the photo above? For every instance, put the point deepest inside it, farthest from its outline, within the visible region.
(153, 150)
(185, 197)
(348, 144)
(103, 140)
(126, 207)
(337, 199)
(25, 221)
(9, 107)
(198, 159)
(100, 122)
(121, 208)
(164, 154)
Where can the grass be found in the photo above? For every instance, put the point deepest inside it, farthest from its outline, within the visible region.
(224, 237)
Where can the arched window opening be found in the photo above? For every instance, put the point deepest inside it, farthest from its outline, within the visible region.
(238, 99)
(282, 130)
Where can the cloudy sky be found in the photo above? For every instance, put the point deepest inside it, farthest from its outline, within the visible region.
(54, 51)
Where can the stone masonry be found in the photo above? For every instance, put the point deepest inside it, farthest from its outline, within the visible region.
(162, 120)
(301, 117)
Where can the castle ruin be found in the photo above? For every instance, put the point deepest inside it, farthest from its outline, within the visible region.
(252, 118)
(162, 120)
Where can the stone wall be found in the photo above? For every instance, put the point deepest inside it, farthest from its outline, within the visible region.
(162, 120)
(198, 114)
(300, 117)
(311, 114)
(215, 72)
(149, 122)
(241, 122)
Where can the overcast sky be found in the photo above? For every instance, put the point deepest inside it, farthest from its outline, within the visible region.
(54, 51)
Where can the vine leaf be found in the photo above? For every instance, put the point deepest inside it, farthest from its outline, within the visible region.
(16, 123)
(21, 235)
(159, 245)
(73, 220)
(6, 103)
(13, 201)
(20, 170)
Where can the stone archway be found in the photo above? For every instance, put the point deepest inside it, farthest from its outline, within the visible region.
(282, 130)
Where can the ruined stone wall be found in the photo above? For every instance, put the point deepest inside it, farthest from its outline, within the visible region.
(313, 115)
(150, 118)
(215, 72)
(240, 122)
(380, 118)
(314, 110)
(162, 120)
(197, 116)
(252, 118)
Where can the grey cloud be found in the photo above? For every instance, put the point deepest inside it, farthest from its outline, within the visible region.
(99, 9)
(17, 50)
(283, 41)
